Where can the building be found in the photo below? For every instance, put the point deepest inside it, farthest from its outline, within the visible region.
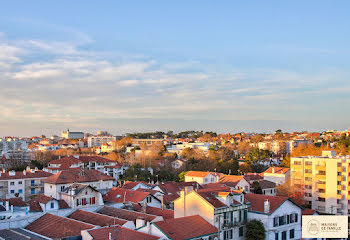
(57, 183)
(104, 165)
(97, 141)
(280, 215)
(72, 135)
(42, 203)
(81, 195)
(223, 210)
(56, 227)
(325, 181)
(191, 227)
(13, 208)
(278, 175)
(22, 184)
(202, 177)
(14, 149)
(267, 187)
(119, 196)
(235, 182)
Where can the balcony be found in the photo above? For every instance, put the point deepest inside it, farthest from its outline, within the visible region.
(35, 185)
(320, 167)
(232, 224)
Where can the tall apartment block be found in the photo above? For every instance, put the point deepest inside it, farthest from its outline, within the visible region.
(326, 180)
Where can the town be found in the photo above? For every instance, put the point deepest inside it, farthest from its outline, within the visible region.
(167, 185)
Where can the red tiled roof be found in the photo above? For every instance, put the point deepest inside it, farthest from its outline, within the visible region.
(308, 211)
(253, 176)
(130, 184)
(172, 187)
(257, 201)
(96, 218)
(41, 198)
(220, 187)
(165, 213)
(28, 174)
(186, 227)
(211, 199)
(16, 202)
(119, 233)
(153, 192)
(62, 204)
(77, 176)
(125, 214)
(53, 226)
(65, 163)
(120, 195)
(168, 199)
(278, 170)
(200, 174)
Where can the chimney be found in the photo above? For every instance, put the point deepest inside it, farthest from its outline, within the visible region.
(28, 168)
(266, 206)
(110, 236)
(24, 172)
(162, 201)
(273, 170)
(12, 173)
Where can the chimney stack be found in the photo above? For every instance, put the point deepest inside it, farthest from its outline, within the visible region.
(273, 170)
(266, 206)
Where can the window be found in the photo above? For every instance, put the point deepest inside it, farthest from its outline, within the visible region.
(149, 199)
(240, 216)
(339, 173)
(52, 205)
(338, 182)
(339, 164)
(32, 191)
(338, 192)
(12, 191)
(62, 188)
(281, 221)
(308, 179)
(12, 183)
(228, 234)
(321, 190)
(32, 182)
(20, 191)
(275, 222)
(20, 182)
(241, 231)
(295, 217)
(276, 236)
(284, 235)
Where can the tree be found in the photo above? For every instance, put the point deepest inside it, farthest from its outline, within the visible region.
(256, 155)
(255, 230)
(257, 188)
(182, 176)
(286, 161)
(294, 192)
(245, 168)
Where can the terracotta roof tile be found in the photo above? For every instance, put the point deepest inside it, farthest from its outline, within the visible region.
(278, 170)
(96, 218)
(186, 227)
(62, 204)
(211, 199)
(257, 201)
(119, 233)
(53, 226)
(120, 195)
(131, 184)
(200, 174)
(28, 174)
(75, 175)
(165, 213)
(125, 214)
(16, 202)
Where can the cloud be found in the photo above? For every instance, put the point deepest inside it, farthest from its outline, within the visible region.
(55, 81)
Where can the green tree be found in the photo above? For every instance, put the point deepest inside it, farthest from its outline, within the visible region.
(256, 155)
(257, 188)
(255, 230)
(182, 176)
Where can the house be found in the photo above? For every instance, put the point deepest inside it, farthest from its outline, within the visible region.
(104, 165)
(81, 195)
(172, 187)
(280, 215)
(42, 203)
(55, 184)
(251, 177)
(119, 196)
(279, 175)
(115, 232)
(190, 227)
(267, 187)
(98, 219)
(223, 210)
(138, 218)
(202, 177)
(56, 227)
(235, 181)
(178, 163)
(13, 208)
(134, 185)
(22, 184)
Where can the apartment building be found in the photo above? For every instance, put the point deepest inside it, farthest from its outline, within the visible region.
(326, 180)
(226, 211)
(14, 149)
(97, 141)
(22, 184)
(72, 135)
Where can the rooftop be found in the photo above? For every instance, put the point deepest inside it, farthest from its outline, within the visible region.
(78, 176)
(96, 218)
(119, 233)
(125, 214)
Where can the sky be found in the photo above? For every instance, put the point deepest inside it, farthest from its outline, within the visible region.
(131, 66)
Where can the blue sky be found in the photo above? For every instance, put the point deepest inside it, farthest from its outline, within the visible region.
(128, 66)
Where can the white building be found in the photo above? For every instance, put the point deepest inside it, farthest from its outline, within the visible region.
(72, 135)
(97, 141)
(278, 175)
(57, 183)
(81, 195)
(22, 184)
(14, 149)
(281, 216)
(202, 177)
